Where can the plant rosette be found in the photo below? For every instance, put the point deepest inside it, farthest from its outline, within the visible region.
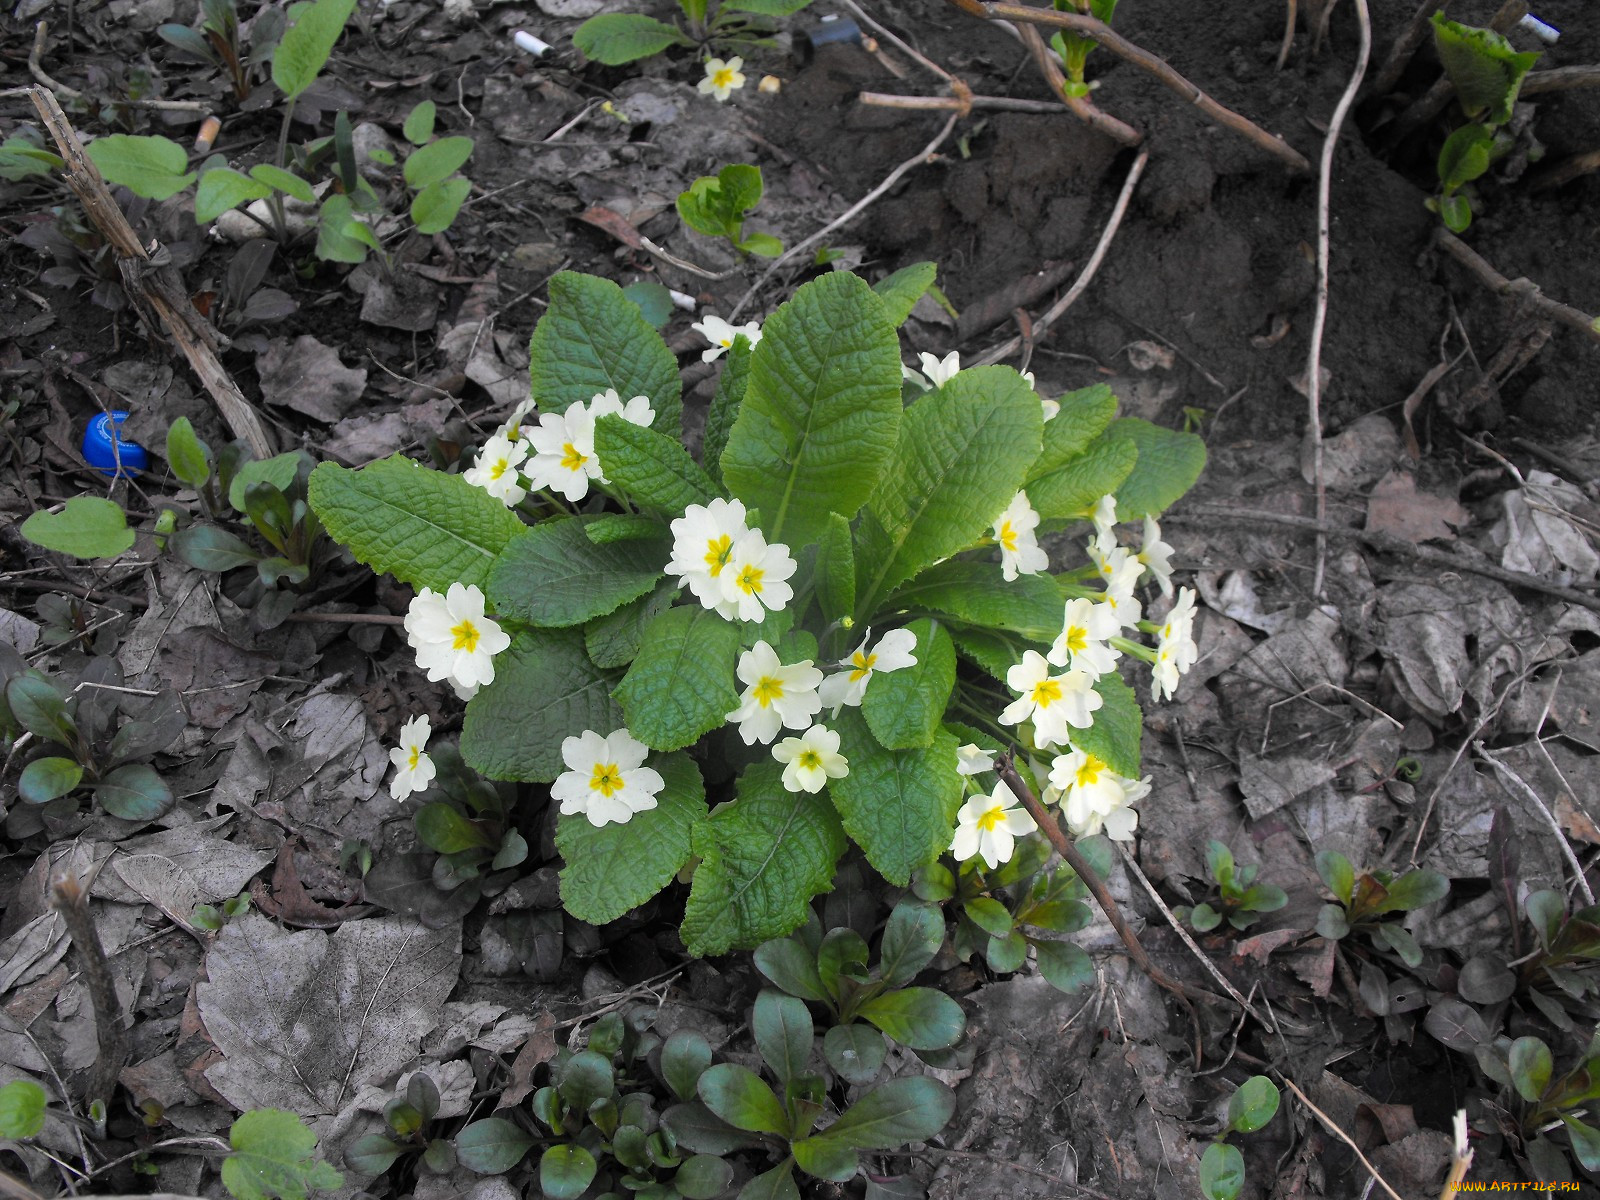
(832, 596)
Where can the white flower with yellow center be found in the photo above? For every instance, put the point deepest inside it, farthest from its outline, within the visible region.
(989, 826)
(973, 759)
(515, 427)
(1122, 820)
(452, 637)
(1052, 702)
(849, 685)
(495, 470)
(754, 582)
(811, 759)
(702, 546)
(1104, 516)
(1119, 594)
(1156, 556)
(563, 453)
(722, 78)
(1019, 545)
(721, 335)
(605, 779)
(1090, 789)
(775, 695)
(637, 411)
(1081, 643)
(940, 371)
(1176, 651)
(413, 769)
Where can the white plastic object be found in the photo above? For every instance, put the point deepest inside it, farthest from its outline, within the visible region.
(1546, 33)
(685, 302)
(532, 45)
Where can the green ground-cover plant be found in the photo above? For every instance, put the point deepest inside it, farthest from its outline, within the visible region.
(222, 43)
(716, 205)
(22, 1105)
(1362, 902)
(1072, 47)
(1250, 1108)
(853, 529)
(1547, 1103)
(1240, 901)
(619, 38)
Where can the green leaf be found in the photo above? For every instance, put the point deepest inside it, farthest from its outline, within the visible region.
(1006, 954)
(910, 1109)
(681, 685)
(591, 339)
(762, 859)
(911, 939)
(904, 708)
(989, 915)
(841, 960)
(901, 291)
(211, 548)
(776, 1184)
(134, 793)
(1585, 1143)
(825, 1159)
(1456, 213)
(1336, 871)
(284, 181)
(613, 868)
(738, 1095)
(341, 235)
(783, 1031)
(1484, 68)
(425, 528)
(697, 1128)
(1072, 489)
(762, 244)
(305, 46)
(545, 689)
(223, 188)
(613, 640)
(436, 161)
(371, 1154)
(1531, 1065)
(565, 1171)
(492, 1146)
(685, 1055)
(279, 470)
(921, 1018)
(1168, 464)
(38, 707)
(1253, 1104)
(703, 1177)
(419, 123)
(654, 470)
(1415, 889)
(618, 38)
(835, 573)
(725, 404)
(434, 208)
(1464, 156)
(1083, 417)
(792, 967)
(87, 527)
(767, 8)
(977, 594)
(654, 301)
(150, 166)
(584, 1078)
(44, 779)
(899, 805)
(274, 1155)
(856, 1052)
(1065, 967)
(1221, 1172)
(440, 827)
(1118, 726)
(187, 455)
(22, 1104)
(962, 454)
(1204, 918)
(554, 576)
(821, 412)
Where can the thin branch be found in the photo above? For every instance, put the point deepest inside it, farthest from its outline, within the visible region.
(1049, 65)
(685, 265)
(1560, 79)
(1333, 1128)
(922, 156)
(909, 51)
(41, 31)
(1056, 310)
(1506, 773)
(1521, 289)
(1319, 321)
(959, 104)
(1160, 68)
(1405, 45)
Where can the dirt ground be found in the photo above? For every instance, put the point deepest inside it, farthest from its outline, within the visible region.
(1284, 740)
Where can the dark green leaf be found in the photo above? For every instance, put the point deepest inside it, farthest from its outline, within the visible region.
(836, 570)
(44, 779)
(1531, 1065)
(652, 469)
(697, 1128)
(855, 1051)
(1204, 918)
(681, 684)
(1118, 728)
(1585, 1143)
(1253, 1105)
(565, 1171)
(584, 1078)
(826, 1160)
(725, 404)
(911, 938)
(1006, 954)
(921, 1018)
(372, 1154)
(904, 708)
(1336, 871)
(989, 915)
(739, 1097)
(1065, 967)
(975, 593)
(134, 793)
(776, 1184)
(555, 576)
(1221, 1172)
(703, 1177)
(909, 1109)
(684, 1057)
(38, 707)
(783, 1031)
(440, 827)
(1415, 889)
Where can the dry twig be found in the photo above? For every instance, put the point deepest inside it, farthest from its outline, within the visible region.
(1560, 79)
(1539, 806)
(957, 104)
(70, 897)
(1522, 289)
(1050, 67)
(41, 32)
(1407, 44)
(1332, 1127)
(1319, 320)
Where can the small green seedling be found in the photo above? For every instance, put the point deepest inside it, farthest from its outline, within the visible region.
(1074, 47)
(619, 38)
(1363, 902)
(274, 1158)
(469, 821)
(1240, 901)
(222, 43)
(22, 1105)
(211, 918)
(408, 1118)
(1548, 1102)
(1249, 1109)
(716, 205)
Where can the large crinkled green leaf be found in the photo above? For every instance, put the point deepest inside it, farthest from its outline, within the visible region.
(993, 650)
(274, 1155)
(725, 404)
(613, 868)
(652, 469)
(424, 527)
(1485, 69)
(545, 689)
(899, 805)
(613, 640)
(1118, 725)
(593, 339)
(821, 410)
(901, 291)
(762, 859)
(1168, 464)
(1083, 417)
(903, 708)
(553, 575)
(1071, 489)
(836, 570)
(963, 452)
(619, 38)
(976, 593)
(681, 684)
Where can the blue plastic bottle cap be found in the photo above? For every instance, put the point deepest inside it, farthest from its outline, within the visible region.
(104, 447)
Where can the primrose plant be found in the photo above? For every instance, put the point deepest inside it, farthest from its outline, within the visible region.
(795, 607)
(715, 205)
(1073, 47)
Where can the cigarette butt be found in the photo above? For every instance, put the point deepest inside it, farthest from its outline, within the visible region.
(1545, 32)
(532, 45)
(682, 300)
(770, 85)
(209, 128)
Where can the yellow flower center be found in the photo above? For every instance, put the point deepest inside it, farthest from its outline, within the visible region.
(990, 821)
(572, 459)
(862, 665)
(1077, 639)
(717, 551)
(1089, 773)
(749, 580)
(726, 343)
(606, 779)
(767, 689)
(498, 468)
(1046, 692)
(722, 78)
(413, 759)
(809, 760)
(465, 636)
(1008, 536)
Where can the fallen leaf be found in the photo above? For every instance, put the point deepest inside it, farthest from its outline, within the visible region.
(1395, 506)
(308, 377)
(613, 223)
(1261, 946)
(539, 1049)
